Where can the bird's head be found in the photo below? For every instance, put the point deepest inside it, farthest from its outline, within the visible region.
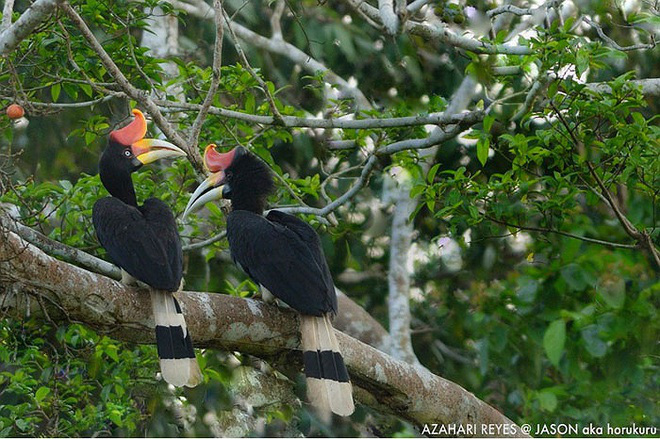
(236, 175)
(129, 150)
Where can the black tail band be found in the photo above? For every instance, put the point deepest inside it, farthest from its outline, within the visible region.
(172, 344)
(326, 365)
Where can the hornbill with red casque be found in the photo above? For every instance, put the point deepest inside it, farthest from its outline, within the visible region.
(144, 242)
(282, 254)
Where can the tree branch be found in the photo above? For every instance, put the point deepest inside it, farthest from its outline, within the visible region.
(650, 87)
(234, 324)
(38, 12)
(354, 319)
(443, 118)
(388, 17)
(7, 11)
(215, 79)
(440, 32)
(134, 93)
(200, 9)
(610, 42)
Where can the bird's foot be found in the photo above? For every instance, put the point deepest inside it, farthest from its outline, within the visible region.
(270, 298)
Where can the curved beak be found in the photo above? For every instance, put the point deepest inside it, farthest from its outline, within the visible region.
(209, 190)
(150, 150)
(145, 150)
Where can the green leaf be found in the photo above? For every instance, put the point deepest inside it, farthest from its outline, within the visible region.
(574, 277)
(554, 340)
(612, 290)
(115, 416)
(22, 425)
(87, 89)
(482, 150)
(55, 91)
(41, 393)
(592, 341)
(431, 174)
(547, 400)
(488, 122)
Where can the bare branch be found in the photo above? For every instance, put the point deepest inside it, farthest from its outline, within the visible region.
(276, 18)
(443, 118)
(650, 87)
(7, 11)
(215, 79)
(280, 47)
(612, 43)
(361, 181)
(230, 323)
(201, 244)
(11, 37)
(264, 88)
(559, 232)
(510, 9)
(536, 88)
(440, 32)
(416, 6)
(388, 17)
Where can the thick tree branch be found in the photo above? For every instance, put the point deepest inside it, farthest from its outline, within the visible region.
(69, 293)
(353, 319)
(11, 37)
(388, 17)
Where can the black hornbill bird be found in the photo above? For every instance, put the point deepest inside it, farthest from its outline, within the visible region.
(144, 242)
(282, 254)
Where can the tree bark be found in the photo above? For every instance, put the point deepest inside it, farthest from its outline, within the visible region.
(66, 293)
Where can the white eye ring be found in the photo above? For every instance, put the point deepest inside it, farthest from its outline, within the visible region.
(127, 153)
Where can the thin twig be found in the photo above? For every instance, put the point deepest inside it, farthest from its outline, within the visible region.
(215, 80)
(139, 95)
(264, 88)
(612, 43)
(196, 245)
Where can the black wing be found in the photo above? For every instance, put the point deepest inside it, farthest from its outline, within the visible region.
(313, 242)
(282, 260)
(137, 243)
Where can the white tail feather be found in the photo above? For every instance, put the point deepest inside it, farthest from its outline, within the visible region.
(178, 370)
(328, 395)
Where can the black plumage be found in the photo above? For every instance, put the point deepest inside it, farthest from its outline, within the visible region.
(144, 241)
(283, 254)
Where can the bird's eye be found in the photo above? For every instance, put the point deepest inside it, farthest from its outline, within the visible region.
(127, 153)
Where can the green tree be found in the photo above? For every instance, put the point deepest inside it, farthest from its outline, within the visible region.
(484, 178)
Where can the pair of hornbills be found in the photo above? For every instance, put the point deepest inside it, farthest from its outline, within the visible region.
(278, 251)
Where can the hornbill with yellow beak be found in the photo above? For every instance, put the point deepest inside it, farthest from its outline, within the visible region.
(282, 254)
(144, 242)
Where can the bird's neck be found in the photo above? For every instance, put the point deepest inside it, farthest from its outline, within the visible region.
(251, 204)
(120, 185)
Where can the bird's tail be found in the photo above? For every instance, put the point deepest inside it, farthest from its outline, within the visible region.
(328, 386)
(178, 364)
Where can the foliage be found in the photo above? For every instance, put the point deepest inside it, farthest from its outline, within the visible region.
(527, 290)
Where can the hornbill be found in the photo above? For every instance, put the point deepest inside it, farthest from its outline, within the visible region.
(144, 242)
(283, 255)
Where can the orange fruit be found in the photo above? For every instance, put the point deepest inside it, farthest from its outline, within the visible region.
(15, 111)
